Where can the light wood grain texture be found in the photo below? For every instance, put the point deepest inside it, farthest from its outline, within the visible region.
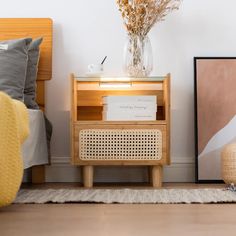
(89, 113)
(88, 176)
(94, 97)
(98, 122)
(157, 176)
(87, 105)
(13, 28)
(167, 93)
(135, 86)
(119, 219)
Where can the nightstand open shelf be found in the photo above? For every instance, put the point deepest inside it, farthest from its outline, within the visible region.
(97, 142)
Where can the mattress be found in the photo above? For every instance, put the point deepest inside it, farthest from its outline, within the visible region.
(34, 149)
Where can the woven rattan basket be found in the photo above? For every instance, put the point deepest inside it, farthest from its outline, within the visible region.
(228, 164)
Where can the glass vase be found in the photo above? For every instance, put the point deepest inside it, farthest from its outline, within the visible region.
(138, 60)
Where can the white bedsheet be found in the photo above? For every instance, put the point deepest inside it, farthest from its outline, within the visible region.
(34, 149)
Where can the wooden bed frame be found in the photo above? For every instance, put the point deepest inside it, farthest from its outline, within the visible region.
(12, 28)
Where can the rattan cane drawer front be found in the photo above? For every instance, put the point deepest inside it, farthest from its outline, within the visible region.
(120, 144)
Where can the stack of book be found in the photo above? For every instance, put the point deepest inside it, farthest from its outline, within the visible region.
(129, 108)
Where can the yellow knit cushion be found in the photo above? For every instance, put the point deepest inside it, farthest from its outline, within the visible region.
(14, 128)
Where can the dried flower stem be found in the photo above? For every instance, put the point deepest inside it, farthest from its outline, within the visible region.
(140, 15)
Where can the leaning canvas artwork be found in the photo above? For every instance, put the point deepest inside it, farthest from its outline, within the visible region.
(215, 110)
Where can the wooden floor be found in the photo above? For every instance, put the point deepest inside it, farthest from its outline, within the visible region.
(119, 219)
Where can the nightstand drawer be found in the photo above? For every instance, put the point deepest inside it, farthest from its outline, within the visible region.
(136, 143)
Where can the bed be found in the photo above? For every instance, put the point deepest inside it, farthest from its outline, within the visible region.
(11, 28)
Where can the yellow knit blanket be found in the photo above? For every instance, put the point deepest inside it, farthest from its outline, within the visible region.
(14, 129)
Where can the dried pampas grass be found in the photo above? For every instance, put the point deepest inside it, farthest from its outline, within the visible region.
(140, 15)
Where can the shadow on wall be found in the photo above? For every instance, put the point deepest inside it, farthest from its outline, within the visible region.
(60, 144)
(58, 93)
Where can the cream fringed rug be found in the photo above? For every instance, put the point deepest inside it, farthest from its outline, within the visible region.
(126, 196)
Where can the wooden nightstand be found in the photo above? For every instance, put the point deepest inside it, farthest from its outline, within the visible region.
(96, 142)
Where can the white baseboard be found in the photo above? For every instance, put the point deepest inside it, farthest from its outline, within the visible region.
(181, 170)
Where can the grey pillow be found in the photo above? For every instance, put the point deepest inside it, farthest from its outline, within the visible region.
(31, 74)
(13, 65)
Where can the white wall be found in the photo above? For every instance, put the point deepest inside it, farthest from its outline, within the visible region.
(86, 31)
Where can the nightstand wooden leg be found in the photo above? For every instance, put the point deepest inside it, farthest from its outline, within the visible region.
(38, 174)
(88, 176)
(157, 172)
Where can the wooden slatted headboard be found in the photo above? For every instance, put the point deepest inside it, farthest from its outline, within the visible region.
(12, 28)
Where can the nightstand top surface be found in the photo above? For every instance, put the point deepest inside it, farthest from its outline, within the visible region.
(119, 79)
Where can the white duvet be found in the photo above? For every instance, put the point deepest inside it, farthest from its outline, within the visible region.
(34, 149)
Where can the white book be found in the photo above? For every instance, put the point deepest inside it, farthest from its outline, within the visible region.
(129, 99)
(131, 116)
(130, 107)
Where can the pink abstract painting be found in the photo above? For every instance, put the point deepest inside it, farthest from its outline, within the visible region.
(215, 99)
